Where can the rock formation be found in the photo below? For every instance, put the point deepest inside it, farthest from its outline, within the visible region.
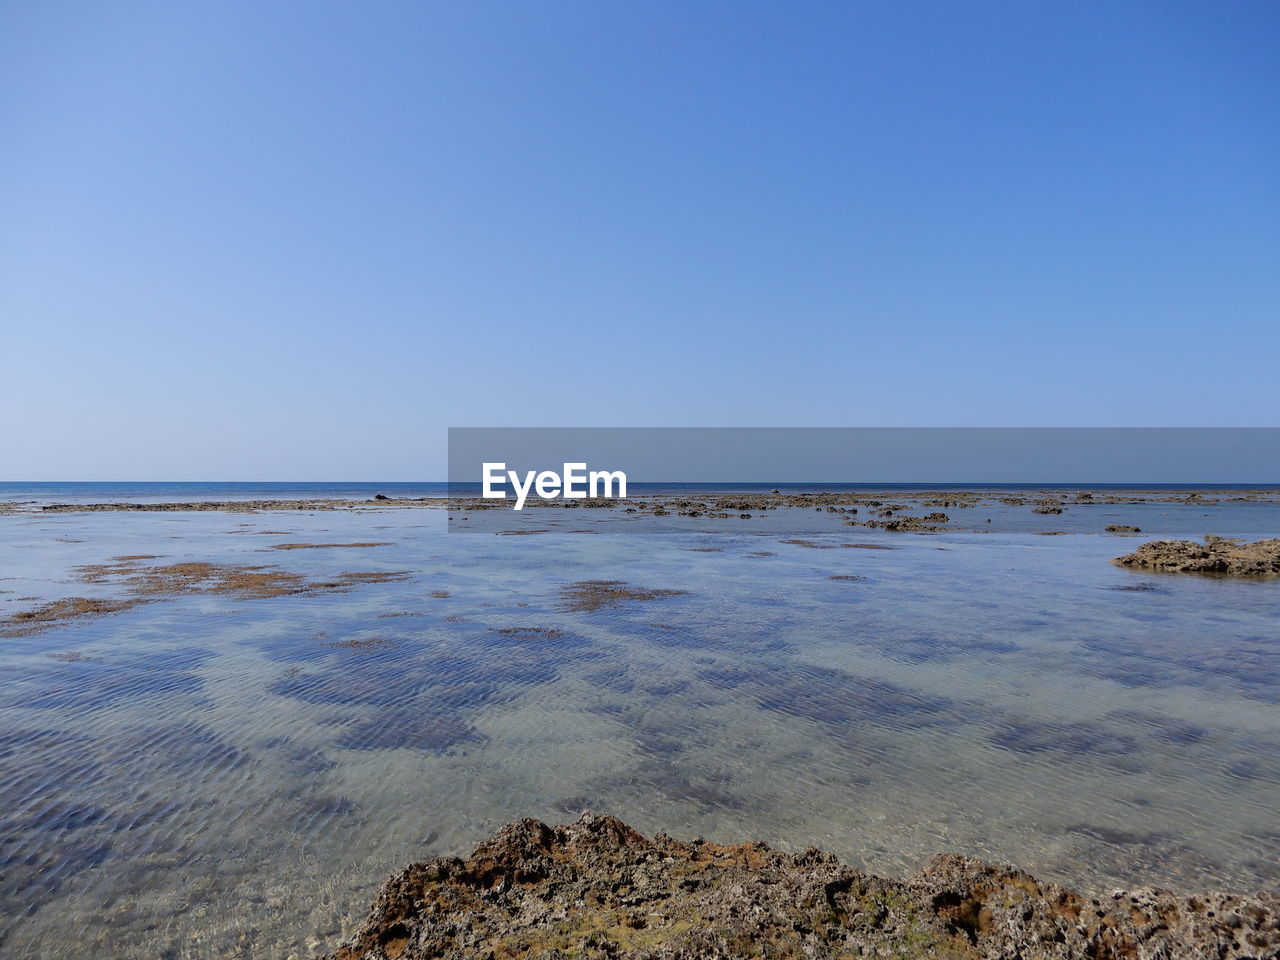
(1220, 555)
(598, 889)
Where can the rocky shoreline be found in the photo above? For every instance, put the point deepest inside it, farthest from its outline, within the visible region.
(598, 889)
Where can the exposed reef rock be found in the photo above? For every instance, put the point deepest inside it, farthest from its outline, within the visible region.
(742, 505)
(932, 521)
(1217, 555)
(598, 889)
(221, 506)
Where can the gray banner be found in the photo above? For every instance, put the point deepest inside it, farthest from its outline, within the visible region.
(648, 480)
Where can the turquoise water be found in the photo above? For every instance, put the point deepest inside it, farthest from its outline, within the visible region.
(213, 777)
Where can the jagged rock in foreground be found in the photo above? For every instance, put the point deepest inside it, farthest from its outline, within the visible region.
(598, 889)
(1220, 555)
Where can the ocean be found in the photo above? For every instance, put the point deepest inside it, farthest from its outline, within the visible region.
(286, 706)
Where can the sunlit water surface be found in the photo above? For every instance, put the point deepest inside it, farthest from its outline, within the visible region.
(215, 779)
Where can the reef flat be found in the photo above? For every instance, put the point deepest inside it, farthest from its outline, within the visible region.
(221, 506)
(878, 505)
(598, 889)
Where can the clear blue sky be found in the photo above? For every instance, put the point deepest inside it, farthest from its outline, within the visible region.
(298, 240)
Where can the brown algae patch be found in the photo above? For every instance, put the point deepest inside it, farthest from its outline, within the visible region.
(242, 581)
(143, 584)
(326, 546)
(69, 656)
(350, 579)
(588, 596)
(190, 577)
(369, 643)
(544, 633)
(813, 545)
(57, 611)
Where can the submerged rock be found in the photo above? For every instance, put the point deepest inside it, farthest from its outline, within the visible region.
(598, 889)
(1220, 555)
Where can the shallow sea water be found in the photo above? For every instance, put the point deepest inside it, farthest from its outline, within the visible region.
(215, 779)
